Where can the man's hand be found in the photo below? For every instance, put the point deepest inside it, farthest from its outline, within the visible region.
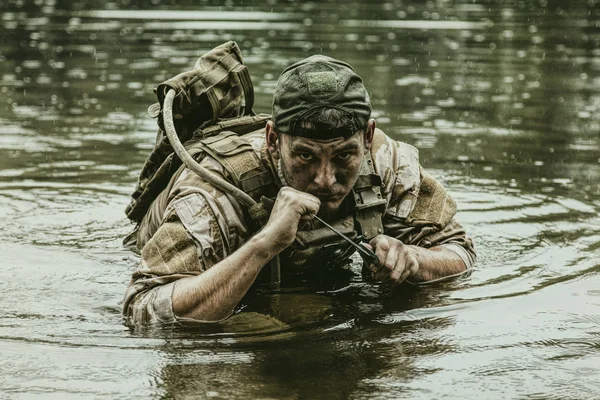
(212, 295)
(291, 207)
(397, 260)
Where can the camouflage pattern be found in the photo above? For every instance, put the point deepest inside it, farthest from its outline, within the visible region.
(191, 226)
(218, 87)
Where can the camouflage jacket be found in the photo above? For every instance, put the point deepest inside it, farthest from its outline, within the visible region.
(191, 225)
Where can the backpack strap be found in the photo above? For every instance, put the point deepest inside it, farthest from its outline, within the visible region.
(241, 71)
(240, 160)
(241, 126)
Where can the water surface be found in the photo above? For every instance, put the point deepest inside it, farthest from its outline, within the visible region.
(501, 98)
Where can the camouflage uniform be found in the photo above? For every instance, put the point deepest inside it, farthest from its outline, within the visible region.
(191, 226)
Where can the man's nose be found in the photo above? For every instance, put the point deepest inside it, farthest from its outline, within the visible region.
(325, 176)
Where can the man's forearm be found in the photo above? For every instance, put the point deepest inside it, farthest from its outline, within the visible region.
(212, 295)
(435, 263)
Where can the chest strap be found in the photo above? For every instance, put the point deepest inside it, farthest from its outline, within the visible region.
(370, 204)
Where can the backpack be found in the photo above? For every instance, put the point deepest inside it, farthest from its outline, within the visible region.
(217, 89)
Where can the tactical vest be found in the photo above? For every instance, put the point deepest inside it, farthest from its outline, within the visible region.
(364, 214)
(249, 173)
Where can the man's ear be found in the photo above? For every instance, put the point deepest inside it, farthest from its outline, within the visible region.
(272, 138)
(369, 133)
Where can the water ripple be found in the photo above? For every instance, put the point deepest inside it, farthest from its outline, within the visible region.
(502, 101)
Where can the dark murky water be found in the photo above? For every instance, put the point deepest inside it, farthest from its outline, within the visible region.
(502, 98)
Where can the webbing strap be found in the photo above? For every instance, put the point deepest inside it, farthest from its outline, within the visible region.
(215, 104)
(370, 204)
(239, 125)
(367, 181)
(241, 72)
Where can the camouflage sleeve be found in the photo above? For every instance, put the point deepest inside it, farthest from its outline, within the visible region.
(201, 228)
(433, 219)
(452, 236)
(169, 255)
(420, 211)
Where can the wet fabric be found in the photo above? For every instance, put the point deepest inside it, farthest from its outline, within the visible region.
(192, 226)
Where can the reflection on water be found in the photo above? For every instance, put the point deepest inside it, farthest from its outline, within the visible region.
(503, 101)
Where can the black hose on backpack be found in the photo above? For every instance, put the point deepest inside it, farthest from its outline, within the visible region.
(216, 181)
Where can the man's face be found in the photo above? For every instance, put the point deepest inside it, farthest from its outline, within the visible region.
(326, 169)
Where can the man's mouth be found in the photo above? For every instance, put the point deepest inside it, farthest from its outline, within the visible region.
(330, 197)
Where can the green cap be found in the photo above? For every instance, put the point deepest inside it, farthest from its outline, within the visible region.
(319, 82)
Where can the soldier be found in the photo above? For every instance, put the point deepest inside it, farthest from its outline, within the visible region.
(320, 155)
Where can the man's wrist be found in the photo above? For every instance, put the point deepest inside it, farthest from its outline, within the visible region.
(435, 263)
(264, 245)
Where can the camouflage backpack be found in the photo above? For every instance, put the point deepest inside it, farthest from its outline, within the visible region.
(217, 88)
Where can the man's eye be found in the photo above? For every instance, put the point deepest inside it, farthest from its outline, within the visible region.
(306, 156)
(344, 156)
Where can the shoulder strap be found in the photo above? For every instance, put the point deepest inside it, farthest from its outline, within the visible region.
(240, 160)
(241, 126)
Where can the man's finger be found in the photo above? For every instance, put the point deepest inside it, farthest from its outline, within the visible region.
(308, 216)
(399, 269)
(373, 268)
(392, 260)
(381, 246)
(411, 267)
(403, 276)
(381, 274)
